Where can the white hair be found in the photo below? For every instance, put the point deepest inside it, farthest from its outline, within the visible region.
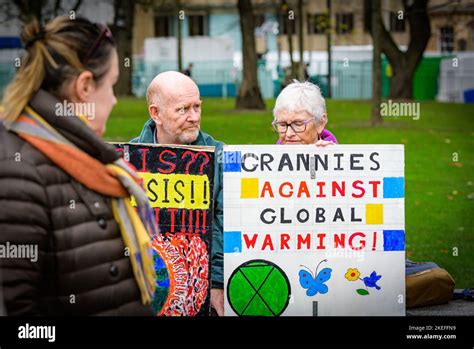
(301, 96)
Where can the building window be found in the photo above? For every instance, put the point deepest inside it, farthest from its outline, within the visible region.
(344, 23)
(197, 25)
(164, 26)
(317, 23)
(397, 25)
(446, 39)
(287, 24)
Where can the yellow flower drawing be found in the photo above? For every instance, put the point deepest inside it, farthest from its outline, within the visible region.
(352, 274)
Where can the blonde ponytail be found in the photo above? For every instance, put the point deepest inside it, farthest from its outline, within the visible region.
(28, 78)
(53, 55)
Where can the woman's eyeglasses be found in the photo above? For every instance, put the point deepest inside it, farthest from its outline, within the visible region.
(104, 33)
(297, 127)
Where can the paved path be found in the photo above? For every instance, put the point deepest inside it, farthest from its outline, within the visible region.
(453, 308)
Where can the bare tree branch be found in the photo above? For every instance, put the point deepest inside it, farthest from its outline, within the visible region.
(30, 9)
(57, 7)
(7, 13)
(77, 5)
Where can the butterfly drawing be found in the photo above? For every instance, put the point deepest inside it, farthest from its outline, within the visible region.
(314, 283)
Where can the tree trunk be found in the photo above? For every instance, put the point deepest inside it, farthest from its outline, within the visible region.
(289, 35)
(249, 96)
(180, 38)
(376, 65)
(300, 40)
(122, 29)
(290, 47)
(404, 63)
(328, 47)
(401, 83)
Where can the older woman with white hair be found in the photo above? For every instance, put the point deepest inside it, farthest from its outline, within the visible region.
(300, 115)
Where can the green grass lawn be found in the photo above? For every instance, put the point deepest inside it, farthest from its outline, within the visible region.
(439, 191)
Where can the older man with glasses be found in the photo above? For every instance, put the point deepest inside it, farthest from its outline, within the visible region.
(300, 115)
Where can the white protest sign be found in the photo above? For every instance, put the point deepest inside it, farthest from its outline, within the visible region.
(314, 231)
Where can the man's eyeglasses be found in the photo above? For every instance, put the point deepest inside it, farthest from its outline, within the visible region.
(297, 127)
(104, 33)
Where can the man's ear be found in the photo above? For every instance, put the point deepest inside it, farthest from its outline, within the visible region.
(83, 86)
(154, 111)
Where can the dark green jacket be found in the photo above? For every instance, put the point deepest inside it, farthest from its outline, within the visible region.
(217, 259)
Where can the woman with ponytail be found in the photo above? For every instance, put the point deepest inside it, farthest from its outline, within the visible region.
(72, 244)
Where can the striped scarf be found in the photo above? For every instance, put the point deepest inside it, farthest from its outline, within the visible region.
(117, 180)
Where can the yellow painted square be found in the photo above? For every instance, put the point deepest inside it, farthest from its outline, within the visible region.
(374, 214)
(249, 188)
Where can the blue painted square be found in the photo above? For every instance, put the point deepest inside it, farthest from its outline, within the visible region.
(393, 187)
(232, 161)
(232, 242)
(394, 240)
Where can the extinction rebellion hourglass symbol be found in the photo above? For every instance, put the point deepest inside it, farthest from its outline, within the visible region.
(258, 288)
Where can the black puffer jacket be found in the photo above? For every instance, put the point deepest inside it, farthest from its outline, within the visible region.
(81, 267)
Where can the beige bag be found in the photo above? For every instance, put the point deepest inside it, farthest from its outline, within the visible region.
(429, 287)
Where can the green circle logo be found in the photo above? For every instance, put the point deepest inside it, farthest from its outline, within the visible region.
(258, 288)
